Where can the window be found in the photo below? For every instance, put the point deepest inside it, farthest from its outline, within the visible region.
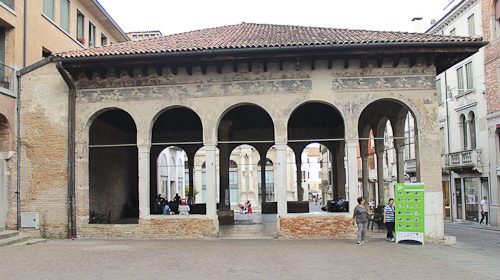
(470, 76)
(438, 92)
(104, 40)
(91, 35)
(463, 123)
(453, 32)
(65, 15)
(80, 21)
(471, 25)
(48, 8)
(441, 136)
(8, 3)
(3, 73)
(460, 80)
(472, 130)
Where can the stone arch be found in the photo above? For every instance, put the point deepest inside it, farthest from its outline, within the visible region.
(101, 111)
(317, 122)
(113, 167)
(378, 114)
(177, 126)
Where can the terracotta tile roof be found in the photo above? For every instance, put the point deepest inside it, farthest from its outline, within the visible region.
(251, 35)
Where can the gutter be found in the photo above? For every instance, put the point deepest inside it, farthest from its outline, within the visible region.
(382, 46)
(71, 149)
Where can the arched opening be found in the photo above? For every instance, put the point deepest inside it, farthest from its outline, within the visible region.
(387, 131)
(177, 135)
(243, 124)
(463, 132)
(321, 124)
(5, 135)
(113, 165)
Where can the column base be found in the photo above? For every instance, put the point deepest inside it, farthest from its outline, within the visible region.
(226, 217)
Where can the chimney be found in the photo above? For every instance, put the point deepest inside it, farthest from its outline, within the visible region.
(417, 24)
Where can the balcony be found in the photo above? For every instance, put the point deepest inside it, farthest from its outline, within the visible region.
(7, 75)
(463, 159)
(410, 166)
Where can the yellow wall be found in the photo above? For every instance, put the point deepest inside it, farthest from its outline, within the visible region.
(46, 33)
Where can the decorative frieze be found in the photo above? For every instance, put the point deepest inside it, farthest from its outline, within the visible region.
(398, 82)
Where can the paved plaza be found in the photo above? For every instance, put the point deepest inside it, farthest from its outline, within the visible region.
(251, 259)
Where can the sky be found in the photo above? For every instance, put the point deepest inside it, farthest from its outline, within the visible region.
(178, 16)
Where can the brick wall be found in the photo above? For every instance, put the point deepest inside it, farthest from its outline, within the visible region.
(316, 227)
(44, 149)
(491, 58)
(155, 227)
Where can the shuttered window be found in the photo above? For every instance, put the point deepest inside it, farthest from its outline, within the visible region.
(80, 20)
(460, 80)
(470, 75)
(471, 25)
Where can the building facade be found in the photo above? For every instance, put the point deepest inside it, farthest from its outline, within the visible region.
(252, 88)
(27, 35)
(463, 125)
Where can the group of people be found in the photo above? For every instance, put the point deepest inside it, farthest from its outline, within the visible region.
(166, 206)
(361, 217)
(245, 208)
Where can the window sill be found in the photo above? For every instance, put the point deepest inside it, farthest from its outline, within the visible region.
(9, 9)
(62, 30)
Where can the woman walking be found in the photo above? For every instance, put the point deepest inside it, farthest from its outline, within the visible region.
(360, 216)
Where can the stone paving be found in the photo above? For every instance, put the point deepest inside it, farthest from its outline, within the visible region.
(242, 259)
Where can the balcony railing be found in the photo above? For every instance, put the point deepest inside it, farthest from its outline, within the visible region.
(7, 75)
(470, 158)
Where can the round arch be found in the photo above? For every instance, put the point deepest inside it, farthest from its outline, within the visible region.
(5, 134)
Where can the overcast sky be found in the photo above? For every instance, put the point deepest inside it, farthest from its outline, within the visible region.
(177, 16)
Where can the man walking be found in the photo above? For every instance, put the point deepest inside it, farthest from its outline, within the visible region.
(484, 210)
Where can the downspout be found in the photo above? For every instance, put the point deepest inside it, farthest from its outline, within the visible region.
(18, 148)
(71, 148)
(25, 33)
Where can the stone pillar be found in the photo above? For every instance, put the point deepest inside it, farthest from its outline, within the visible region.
(224, 199)
(263, 161)
(281, 179)
(340, 170)
(191, 176)
(364, 164)
(494, 195)
(144, 184)
(298, 162)
(379, 150)
(400, 159)
(352, 173)
(211, 180)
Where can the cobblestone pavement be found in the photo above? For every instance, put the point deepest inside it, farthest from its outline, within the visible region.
(243, 259)
(484, 240)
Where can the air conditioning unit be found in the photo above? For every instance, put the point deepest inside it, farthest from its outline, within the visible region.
(30, 220)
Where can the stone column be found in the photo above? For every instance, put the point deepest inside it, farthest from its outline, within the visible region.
(364, 164)
(400, 159)
(352, 172)
(379, 150)
(263, 161)
(298, 162)
(340, 169)
(211, 180)
(281, 179)
(144, 184)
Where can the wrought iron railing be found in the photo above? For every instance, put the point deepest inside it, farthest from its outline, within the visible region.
(7, 75)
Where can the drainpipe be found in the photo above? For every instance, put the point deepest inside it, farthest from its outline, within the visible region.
(71, 148)
(25, 35)
(18, 148)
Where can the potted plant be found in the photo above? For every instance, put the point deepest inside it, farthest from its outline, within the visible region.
(82, 40)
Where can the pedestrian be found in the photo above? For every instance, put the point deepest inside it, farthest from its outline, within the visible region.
(184, 208)
(389, 219)
(360, 216)
(484, 210)
(166, 208)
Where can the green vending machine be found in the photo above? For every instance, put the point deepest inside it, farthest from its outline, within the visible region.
(410, 213)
